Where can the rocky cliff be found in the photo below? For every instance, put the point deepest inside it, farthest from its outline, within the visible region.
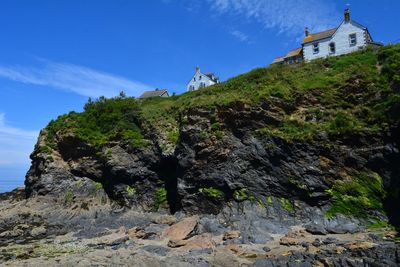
(324, 135)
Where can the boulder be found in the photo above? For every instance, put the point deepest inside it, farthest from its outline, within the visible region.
(108, 240)
(177, 243)
(202, 241)
(315, 229)
(182, 229)
(38, 231)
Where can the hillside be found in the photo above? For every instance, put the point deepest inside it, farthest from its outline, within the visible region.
(285, 155)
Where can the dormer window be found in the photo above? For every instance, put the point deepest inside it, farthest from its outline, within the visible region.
(353, 39)
(316, 48)
(332, 48)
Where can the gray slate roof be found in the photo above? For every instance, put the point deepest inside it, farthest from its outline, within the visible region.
(212, 77)
(154, 93)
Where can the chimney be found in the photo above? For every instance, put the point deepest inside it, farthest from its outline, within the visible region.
(307, 32)
(347, 15)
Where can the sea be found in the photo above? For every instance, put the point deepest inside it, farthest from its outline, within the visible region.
(11, 178)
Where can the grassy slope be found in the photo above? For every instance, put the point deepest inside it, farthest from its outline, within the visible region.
(336, 115)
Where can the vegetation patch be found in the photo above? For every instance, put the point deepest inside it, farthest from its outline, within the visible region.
(358, 197)
(102, 121)
(173, 137)
(45, 149)
(378, 224)
(270, 200)
(287, 205)
(161, 198)
(213, 193)
(241, 194)
(69, 198)
(131, 190)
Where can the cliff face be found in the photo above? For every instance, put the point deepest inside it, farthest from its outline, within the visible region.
(316, 139)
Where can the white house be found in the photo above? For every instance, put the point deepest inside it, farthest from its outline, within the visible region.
(201, 80)
(349, 36)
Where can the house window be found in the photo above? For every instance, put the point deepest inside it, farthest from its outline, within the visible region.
(194, 79)
(332, 48)
(200, 77)
(316, 48)
(353, 39)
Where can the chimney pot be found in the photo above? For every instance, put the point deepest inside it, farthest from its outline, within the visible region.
(347, 15)
(307, 32)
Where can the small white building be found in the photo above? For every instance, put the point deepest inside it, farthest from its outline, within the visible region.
(201, 80)
(348, 37)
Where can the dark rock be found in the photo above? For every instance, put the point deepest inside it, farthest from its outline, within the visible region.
(305, 244)
(266, 249)
(210, 225)
(316, 229)
(264, 263)
(155, 229)
(375, 237)
(330, 240)
(317, 242)
(159, 250)
(196, 252)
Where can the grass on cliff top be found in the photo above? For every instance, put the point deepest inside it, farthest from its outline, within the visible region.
(327, 82)
(330, 82)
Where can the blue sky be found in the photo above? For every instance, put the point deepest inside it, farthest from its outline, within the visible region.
(55, 54)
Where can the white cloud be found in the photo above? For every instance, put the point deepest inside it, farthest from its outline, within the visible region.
(240, 36)
(15, 144)
(287, 16)
(74, 78)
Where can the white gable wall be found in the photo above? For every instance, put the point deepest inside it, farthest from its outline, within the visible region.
(341, 40)
(198, 80)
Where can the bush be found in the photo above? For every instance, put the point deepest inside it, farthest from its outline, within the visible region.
(343, 124)
(102, 121)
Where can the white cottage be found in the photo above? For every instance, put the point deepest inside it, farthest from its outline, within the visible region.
(349, 37)
(201, 80)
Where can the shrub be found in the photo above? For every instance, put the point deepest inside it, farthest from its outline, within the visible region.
(343, 123)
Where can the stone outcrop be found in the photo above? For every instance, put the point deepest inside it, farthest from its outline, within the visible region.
(212, 166)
